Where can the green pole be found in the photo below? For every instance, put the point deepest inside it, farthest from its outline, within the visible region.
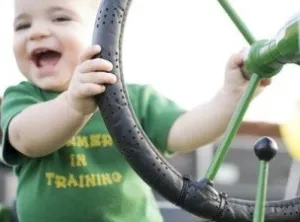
(237, 21)
(264, 59)
(243, 104)
(265, 149)
(261, 193)
(267, 57)
(232, 128)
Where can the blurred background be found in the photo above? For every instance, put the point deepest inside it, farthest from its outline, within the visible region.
(181, 48)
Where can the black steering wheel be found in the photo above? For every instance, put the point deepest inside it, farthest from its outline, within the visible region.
(197, 197)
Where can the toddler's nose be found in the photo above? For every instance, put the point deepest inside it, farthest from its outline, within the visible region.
(38, 31)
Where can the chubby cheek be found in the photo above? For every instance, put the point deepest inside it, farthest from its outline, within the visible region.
(73, 52)
(20, 55)
(77, 40)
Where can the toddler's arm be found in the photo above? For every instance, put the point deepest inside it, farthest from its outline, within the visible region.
(45, 127)
(208, 121)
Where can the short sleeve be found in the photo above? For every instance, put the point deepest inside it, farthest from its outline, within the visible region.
(15, 100)
(156, 114)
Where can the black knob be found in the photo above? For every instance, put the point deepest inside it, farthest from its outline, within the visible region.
(265, 148)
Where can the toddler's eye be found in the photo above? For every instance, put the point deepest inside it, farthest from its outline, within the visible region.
(61, 19)
(22, 26)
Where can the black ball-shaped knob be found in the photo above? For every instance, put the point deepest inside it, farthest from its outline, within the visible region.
(265, 148)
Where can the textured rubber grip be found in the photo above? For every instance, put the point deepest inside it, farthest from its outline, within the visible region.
(276, 211)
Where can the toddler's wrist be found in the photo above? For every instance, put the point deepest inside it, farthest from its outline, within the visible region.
(232, 92)
(78, 109)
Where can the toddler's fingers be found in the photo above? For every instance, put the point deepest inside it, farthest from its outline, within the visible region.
(89, 53)
(98, 78)
(90, 89)
(234, 62)
(95, 65)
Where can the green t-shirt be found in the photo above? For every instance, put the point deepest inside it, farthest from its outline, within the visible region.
(87, 179)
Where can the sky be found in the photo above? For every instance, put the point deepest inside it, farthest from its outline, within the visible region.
(181, 48)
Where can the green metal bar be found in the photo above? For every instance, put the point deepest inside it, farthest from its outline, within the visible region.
(242, 105)
(261, 193)
(233, 127)
(237, 21)
(266, 59)
(4, 214)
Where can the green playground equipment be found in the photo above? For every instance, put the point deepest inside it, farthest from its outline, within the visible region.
(264, 59)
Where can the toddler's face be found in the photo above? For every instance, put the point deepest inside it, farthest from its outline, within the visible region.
(49, 37)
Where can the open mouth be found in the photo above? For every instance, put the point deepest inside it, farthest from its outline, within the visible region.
(45, 57)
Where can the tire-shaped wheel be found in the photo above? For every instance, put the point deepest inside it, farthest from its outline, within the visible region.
(198, 198)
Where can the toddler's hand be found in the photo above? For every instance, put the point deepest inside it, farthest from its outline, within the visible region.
(235, 80)
(88, 80)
